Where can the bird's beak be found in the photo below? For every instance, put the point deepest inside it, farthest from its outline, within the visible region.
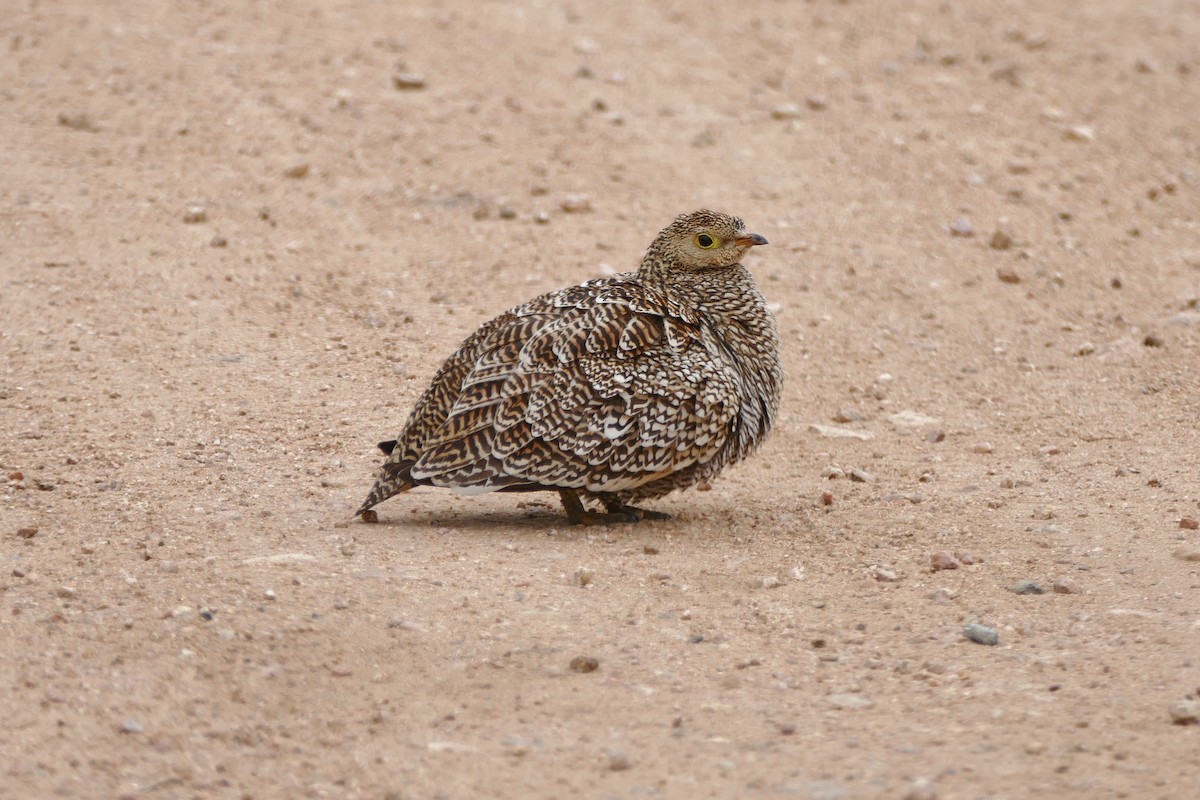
(749, 240)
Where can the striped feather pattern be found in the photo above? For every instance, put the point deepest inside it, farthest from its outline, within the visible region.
(627, 387)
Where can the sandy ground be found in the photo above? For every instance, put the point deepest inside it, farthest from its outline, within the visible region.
(238, 238)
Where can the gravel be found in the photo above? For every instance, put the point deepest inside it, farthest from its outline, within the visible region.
(1185, 712)
(194, 215)
(408, 81)
(943, 559)
(1027, 587)
(847, 701)
(1008, 275)
(884, 574)
(861, 476)
(981, 634)
(584, 664)
(1065, 586)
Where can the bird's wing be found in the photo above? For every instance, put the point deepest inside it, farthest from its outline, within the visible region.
(602, 387)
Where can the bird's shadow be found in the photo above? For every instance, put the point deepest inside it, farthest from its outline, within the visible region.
(534, 518)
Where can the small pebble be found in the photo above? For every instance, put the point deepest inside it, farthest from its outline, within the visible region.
(1008, 275)
(30, 532)
(981, 634)
(1065, 586)
(1000, 241)
(1185, 712)
(576, 203)
(296, 171)
(408, 81)
(618, 761)
(884, 574)
(1187, 523)
(944, 559)
(195, 215)
(1085, 349)
(1153, 341)
(838, 432)
(826, 498)
(785, 111)
(369, 516)
(77, 122)
(1080, 133)
(816, 102)
(861, 476)
(982, 448)
(584, 664)
(848, 701)
(770, 582)
(1187, 554)
(921, 789)
(131, 726)
(583, 576)
(269, 594)
(962, 227)
(66, 592)
(218, 241)
(911, 419)
(1027, 587)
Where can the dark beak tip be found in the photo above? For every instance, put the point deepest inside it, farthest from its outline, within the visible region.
(754, 239)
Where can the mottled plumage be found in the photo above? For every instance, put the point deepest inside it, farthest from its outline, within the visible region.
(618, 390)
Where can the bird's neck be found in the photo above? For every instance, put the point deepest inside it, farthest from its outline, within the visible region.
(654, 271)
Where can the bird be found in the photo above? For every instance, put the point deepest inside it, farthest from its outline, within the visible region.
(614, 392)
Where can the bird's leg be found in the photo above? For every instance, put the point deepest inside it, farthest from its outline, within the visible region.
(615, 506)
(578, 515)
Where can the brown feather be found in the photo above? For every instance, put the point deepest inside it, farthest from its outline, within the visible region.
(626, 387)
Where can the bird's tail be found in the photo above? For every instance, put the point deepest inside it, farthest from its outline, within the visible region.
(393, 480)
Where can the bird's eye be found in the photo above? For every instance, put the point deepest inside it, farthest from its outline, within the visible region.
(706, 242)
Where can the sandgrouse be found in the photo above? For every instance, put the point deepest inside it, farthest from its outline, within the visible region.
(617, 391)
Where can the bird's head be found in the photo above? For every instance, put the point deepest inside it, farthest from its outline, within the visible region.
(703, 240)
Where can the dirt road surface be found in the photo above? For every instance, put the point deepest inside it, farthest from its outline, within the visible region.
(237, 239)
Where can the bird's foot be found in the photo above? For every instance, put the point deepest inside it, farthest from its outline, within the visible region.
(615, 506)
(615, 513)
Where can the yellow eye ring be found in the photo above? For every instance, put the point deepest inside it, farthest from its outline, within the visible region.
(706, 241)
